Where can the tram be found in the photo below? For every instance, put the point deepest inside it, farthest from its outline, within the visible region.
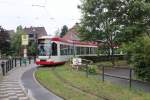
(53, 51)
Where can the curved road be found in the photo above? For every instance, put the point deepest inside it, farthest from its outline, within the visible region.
(137, 85)
(34, 89)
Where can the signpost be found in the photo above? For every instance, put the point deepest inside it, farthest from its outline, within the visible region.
(25, 42)
(25, 39)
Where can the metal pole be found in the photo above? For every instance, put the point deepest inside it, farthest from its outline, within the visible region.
(7, 64)
(12, 63)
(20, 62)
(130, 79)
(3, 68)
(15, 62)
(87, 70)
(103, 73)
(29, 60)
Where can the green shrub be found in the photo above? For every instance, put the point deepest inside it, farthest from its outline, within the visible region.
(140, 57)
(92, 70)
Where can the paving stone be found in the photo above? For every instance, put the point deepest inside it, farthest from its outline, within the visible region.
(10, 86)
(21, 94)
(13, 98)
(24, 98)
(4, 99)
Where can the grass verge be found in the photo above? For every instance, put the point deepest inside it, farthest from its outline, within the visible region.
(51, 82)
(48, 78)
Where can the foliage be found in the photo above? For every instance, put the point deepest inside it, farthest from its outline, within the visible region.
(92, 70)
(16, 41)
(57, 33)
(99, 20)
(64, 30)
(4, 42)
(134, 18)
(114, 21)
(139, 53)
(32, 48)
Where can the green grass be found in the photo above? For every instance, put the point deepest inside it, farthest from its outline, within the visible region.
(92, 85)
(51, 82)
(120, 63)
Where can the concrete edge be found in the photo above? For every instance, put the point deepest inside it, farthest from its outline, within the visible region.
(45, 87)
(26, 91)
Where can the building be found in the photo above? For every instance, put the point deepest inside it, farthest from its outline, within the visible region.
(72, 34)
(35, 32)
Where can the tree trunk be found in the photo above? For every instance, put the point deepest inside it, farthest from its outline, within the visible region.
(112, 56)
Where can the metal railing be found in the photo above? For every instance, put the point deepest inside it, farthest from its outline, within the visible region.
(9, 64)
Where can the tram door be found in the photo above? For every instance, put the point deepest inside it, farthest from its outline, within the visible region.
(54, 49)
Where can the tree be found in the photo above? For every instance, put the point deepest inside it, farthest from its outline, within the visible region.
(57, 33)
(99, 22)
(134, 19)
(16, 41)
(32, 49)
(4, 41)
(64, 30)
(140, 57)
(114, 21)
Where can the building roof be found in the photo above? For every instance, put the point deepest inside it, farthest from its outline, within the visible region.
(72, 34)
(40, 31)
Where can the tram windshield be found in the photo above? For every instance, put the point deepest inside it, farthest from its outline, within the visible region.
(44, 47)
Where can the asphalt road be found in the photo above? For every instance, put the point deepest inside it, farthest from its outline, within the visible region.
(38, 92)
(123, 82)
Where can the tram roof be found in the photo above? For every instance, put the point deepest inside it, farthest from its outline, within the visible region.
(58, 39)
(74, 41)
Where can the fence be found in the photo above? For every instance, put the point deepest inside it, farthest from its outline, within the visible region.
(9, 64)
(123, 75)
(104, 57)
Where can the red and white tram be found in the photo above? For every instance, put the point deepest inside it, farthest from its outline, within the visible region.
(52, 51)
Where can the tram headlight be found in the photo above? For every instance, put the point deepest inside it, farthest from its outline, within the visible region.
(49, 60)
(37, 59)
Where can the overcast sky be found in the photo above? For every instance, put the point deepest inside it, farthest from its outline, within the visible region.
(52, 14)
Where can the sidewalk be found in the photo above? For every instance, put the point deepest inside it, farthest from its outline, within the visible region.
(11, 87)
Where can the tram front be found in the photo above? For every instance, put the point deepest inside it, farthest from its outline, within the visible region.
(44, 51)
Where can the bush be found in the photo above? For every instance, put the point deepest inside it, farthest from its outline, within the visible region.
(92, 70)
(140, 57)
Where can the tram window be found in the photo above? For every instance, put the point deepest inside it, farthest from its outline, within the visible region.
(94, 50)
(72, 50)
(87, 50)
(77, 50)
(64, 49)
(54, 49)
(82, 50)
(61, 49)
(91, 50)
(69, 50)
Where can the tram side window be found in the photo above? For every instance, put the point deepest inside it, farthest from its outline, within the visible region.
(87, 50)
(64, 49)
(54, 49)
(72, 50)
(78, 50)
(95, 50)
(69, 50)
(92, 50)
(61, 50)
(82, 50)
